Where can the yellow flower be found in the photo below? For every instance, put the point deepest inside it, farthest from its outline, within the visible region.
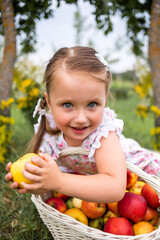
(142, 110)
(27, 82)
(6, 104)
(6, 120)
(155, 131)
(156, 110)
(22, 102)
(34, 92)
(139, 90)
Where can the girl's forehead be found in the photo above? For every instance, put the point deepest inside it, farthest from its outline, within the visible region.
(69, 77)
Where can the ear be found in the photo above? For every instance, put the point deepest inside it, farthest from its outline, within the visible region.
(47, 99)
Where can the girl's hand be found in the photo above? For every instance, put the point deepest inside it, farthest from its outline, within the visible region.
(45, 174)
(15, 185)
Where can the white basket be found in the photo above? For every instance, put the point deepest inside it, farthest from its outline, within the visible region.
(64, 227)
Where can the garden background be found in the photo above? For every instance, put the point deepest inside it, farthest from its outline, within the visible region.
(132, 99)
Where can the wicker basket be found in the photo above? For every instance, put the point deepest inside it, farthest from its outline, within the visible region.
(64, 227)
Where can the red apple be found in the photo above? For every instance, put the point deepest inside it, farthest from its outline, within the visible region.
(60, 195)
(151, 196)
(132, 206)
(151, 216)
(93, 210)
(119, 226)
(57, 203)
(131, 179)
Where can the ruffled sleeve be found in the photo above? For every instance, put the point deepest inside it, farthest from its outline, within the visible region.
(109, 123)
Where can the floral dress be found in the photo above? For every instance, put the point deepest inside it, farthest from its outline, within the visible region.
(85, 164)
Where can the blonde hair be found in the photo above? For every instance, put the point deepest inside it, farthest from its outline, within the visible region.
(76, 58)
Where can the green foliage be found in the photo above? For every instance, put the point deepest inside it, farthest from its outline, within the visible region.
(136, 14)
(27, 13)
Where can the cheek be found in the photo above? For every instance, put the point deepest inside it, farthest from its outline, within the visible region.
(97, 118)
(61, 119)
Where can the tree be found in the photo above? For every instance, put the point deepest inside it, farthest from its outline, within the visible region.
(154, 54)
(18, 17)
(9, 55)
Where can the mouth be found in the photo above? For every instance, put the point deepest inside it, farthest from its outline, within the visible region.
(79, 130)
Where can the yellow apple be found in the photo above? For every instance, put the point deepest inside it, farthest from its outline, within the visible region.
(143, 228)
(18, 166)
(137, 187)
(77, 214)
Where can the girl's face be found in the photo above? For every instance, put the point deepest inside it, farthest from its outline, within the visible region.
(77, 102)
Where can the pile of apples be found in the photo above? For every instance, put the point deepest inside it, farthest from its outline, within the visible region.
(135, 214)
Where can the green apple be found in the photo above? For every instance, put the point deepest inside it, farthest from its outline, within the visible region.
(96, 223)
(69, 203)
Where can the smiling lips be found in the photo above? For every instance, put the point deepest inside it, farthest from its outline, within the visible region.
(79, 130)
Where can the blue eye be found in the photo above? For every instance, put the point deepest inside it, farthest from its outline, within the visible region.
(67, 105)
(92, 104)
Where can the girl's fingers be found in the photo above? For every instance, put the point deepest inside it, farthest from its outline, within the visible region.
(14, 185)
(31, 187)
(39, 161)
(30, 176)
(8, 177)
(46, 157)
(8, 166)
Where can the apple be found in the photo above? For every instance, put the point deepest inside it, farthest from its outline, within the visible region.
(108, 215)
(151, 196)
(77, 203)
(60, 195)
(77, 214)
(142, 228)
(69, 203)
(151, 216)
(57, 203)
(137, 187)
(132, 206)
(18, 166)
(93, 210)
(119, 226)
(131, 179)
(113, 207)
(96, 223)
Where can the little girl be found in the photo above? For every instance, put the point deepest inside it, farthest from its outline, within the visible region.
(82, 152)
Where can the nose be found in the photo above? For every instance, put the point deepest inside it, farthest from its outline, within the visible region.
(80, 117)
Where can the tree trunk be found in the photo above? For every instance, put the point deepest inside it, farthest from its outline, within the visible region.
(154, 54)
(9, 53)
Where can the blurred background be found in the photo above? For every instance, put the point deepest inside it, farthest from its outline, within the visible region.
(125, 33)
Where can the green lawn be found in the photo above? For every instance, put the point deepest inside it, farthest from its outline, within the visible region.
(18, 217)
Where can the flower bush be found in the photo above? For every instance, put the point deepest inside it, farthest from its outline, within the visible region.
(27, 86)
(145, 91)
(5, 129)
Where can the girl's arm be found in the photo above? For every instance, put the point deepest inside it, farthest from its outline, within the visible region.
(107, 186)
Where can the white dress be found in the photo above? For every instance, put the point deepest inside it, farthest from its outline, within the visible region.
(85, 164)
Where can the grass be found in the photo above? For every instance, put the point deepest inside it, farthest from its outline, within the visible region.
(19, 218)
